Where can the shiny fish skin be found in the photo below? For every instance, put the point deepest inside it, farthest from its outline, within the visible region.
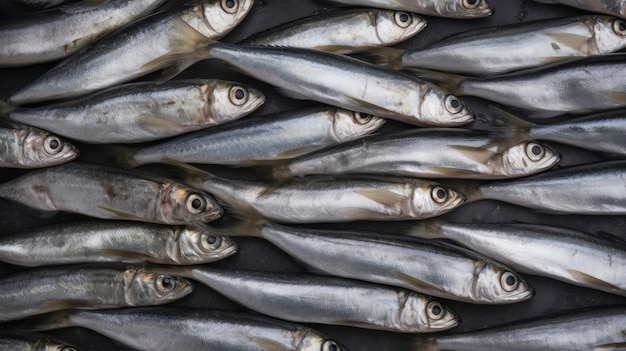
(22, 146)
(15, 341)
(319, 299)
(41, 3)
(110, 193)
(563, 254)
(112, 241)
(427, 153)
(140, 112)
(609, 7)
(43, 290)
(345, 82)
(351, 28)
(271, 137)
(166, 329)
(60, 32)
(461, 9)
(601, 328)
(135, 52)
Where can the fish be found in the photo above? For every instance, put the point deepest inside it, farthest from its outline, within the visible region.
(256, 139)
(58, 33)
(315, 75)
(426, 153)
(426, 266)
(609, 7)
(508, 48)
(166, 329)
(308, 298)
(41, 3)
(563, 254)
(113, 241)
(600, 328)
(110, 193)
(343, 31)
(22, 146)
(20, 341)
(167, 41)
(328, 199)
(588, 189)
(48, 289)
(143, 111)
(460, 9)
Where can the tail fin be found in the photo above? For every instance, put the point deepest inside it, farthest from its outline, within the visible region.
(427, 229)
(50, 321)
(245, 221)
(272, 170)
(5, 108)
(418, 343)
(448, 81)
(506, 126)
(189, 174)
(471, 189)
(120, 155)
(383, 56)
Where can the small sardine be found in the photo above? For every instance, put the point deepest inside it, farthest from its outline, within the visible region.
(19, 341)
(22, 146)
(609, 7)
(461, 9)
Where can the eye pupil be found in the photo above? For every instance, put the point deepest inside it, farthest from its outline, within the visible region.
(510, 280)
(455, 103)
(196, 203)
(622, 26)
(54, 144)
(404, 17)
(437, 310)
(441, 193)
(332, 348)
(536, 150)
(211, 240)
(239, 94)
(472, 2)
(230, 4)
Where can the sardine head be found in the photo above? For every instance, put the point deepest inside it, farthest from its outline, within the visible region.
(609, 35)
(442, 109)
(183, 205)
(220, 16)
(57, 346)
(463, 8)
(528, 158)
(395, 26)
(201, 246)
(226, 101)
(498, 285)
(148, 286)
(431, 199)
(42, 149)
(421, 314)
(314, 341)
(348, 125)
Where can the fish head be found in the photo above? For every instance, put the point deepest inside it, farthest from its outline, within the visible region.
(528, 158)
(202, 246)
(395, 26)
(52, 345)
(42, 149)
(314, 341)
(609, 34)
(431, 199)
(442, 109)
(227, 101)
(463, 8)
(420, 313)
(220, 16)
(348, 125)
(181, 204)
(497, 284)
(146, 286)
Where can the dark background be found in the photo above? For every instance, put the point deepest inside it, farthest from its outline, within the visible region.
(255, 254)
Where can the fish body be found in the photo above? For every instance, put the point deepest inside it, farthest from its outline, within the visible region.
(609, 7)
(42, 3)
(17, 341)
(22, 146)
(140, 112)
(461, 9)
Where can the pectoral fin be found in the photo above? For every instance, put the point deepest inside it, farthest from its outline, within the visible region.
(383, 197)
(416, 284)
(591, 280)
(577, 42)
(121, 214)
(612, 347)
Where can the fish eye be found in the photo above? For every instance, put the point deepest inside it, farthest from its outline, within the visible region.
(210, 242)
(535, 152)
(362, 118)
(470, 4)
(195, 204)
(165, 283)
(230, 6)
(439, 194)
(434, 310)
(52, 145)
(509, 281)
(402, 19)
(619, 27)
(238, 95)
(453, 104)
(330, 345)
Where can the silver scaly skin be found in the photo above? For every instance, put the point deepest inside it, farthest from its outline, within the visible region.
(48, 289)
(461, 9)
(609, 7)
(22, 146)
(166, 329)
(41, 3)
(112, 241)
(60, 32)
(327, 300)
(141, 112)
(20, 341)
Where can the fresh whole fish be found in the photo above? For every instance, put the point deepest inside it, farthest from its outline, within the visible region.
(427, 153)
(22, 146)
(514, 47)
(330, 199)
(113, 241)
(341, 30)
(140, 112)
(425, 266)
(43, 290)
(60, 32)
(138, 50)
(262, 138)
(16, 341)
(609, 7)
(563, 254)
(462, 9)
(601, 328)
(319, 299)
(110, 193)
(166, 329)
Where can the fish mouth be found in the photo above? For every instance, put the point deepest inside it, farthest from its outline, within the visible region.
(227, 252)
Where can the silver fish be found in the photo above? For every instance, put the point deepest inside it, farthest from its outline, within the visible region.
(563, 254)
(110, 193)
(601, 328)
(112, 241)
(342, 30)
(138, 50)
(319, 299)
(345, 82)
(427, 153)
(609, 7)
(330, 199)
(22, 146)
(144, 111)
(425, 266)
(514, 47)
(462, 9)
(19, 341)
(166, 329)
(43, 290)
(263, 138)
(41, 3)
(60, 32)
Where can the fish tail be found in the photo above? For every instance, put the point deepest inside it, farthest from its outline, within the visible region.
(384, 56)
(122, 156)
(272, 170)
(189, 174)
(470, 189)
(507, 126)
(50, 321)
(244, 220)
(451, 82)
(427, 229)
(418, 343)
(6, 107)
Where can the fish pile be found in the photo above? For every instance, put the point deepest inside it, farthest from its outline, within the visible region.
(125, 188)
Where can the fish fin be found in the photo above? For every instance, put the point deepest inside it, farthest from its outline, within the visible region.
(418, 284)
(478, 154)
(187, 173)
(612, 347)
(592, 280)
(448, 81)
(5, 108)
(127, 256)
(292, 94)
(359, 214)
(82, 6)
(49, 321)
(426, 229)
(271, 187)
(245, 220)
(577, 42)
(618, 97)
(338, 49)
(452, 172)
(383, 197)
(555, 59)
(267, 344)
(121, 214)
(120, 155)
(60, 305)
(42, 4)
(38, 213)
(506, 125)
(274, 170)
(371, 107)
(471, 189)
(384, 56)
